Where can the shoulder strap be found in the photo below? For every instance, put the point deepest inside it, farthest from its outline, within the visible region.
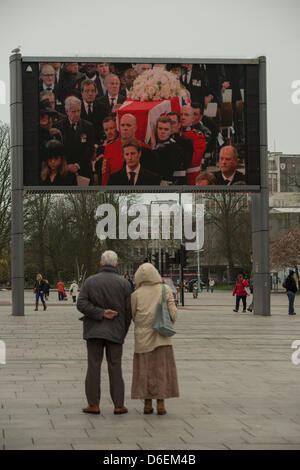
(163, 293)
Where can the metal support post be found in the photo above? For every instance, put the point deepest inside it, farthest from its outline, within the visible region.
(260, 211)
(16, 114)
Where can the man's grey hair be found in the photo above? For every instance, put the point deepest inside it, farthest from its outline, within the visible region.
(109, 258)
(108, 77)
(71, 101)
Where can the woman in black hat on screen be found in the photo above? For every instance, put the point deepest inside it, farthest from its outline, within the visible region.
(54, 166)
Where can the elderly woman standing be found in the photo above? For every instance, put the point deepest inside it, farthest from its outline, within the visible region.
(154, 368)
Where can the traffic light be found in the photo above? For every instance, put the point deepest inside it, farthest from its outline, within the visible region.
(155, 260)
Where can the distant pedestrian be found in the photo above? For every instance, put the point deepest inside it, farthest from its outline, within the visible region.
(291, 289)
(195, 290)
(39, 290)
(127, 277)
(211, 284)
(250, 308)
(104, 300)
(47, 289)
(74, 289)
(154, 368)
(240, 292)
(60, 289)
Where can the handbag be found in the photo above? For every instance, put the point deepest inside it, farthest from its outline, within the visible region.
(163, 323)
(247, 289)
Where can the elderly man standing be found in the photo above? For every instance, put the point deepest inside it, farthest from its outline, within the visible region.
(105, 302)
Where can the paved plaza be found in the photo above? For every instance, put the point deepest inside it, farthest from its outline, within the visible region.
(238, 386)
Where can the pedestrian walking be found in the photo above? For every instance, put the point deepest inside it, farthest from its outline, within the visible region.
(60, 290)
(291, 289)
(240, 291)
(104, 300)
(195, 290)
(74, 289)
(127, 277)
(39, 290)
(154, 368)
(212, 284)
(47, 289)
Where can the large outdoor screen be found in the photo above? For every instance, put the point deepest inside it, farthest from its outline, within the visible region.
(116, 124)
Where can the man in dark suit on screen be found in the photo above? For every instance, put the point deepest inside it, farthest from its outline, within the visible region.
(78, 139)
(91, 110)
(113, 99)
(132, 174)
(228, 162)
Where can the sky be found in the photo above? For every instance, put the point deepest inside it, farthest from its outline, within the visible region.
(167, 29)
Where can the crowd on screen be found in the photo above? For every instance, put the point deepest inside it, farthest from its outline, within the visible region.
(81, 142)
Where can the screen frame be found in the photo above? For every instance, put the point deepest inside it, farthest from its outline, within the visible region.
(248, 188)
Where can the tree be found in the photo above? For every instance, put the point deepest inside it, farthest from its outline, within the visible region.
(5, 193)
(229, 213)
(284, 253)
(36, 211)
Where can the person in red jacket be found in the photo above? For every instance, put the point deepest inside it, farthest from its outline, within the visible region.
(60, 289)
(240, 292)
(198, 140)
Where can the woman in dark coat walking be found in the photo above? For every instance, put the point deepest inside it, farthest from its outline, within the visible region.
(291, 289)
(39, 290)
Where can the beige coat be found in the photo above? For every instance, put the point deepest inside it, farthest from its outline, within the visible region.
(144, 301)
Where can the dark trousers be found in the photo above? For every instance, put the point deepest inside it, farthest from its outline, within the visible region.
(291, 296)
(95, 348)
(60, 296)
(237, 301)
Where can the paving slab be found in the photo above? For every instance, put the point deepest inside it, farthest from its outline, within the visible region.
(238, 386)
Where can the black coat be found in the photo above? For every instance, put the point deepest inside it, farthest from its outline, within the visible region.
(198, 85)
(145, 178)
(290, 284)
(100, 90)
(96, 118)
(68, 180)
(40, 286)
(106, 290)
(104, 102)
(170, 159)
(79, 144)
(238, 177)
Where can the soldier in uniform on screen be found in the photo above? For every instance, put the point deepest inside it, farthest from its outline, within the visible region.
(198, 140)
(228, 162)
(172, 167)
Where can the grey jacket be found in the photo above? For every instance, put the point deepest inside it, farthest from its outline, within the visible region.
(105, 290)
